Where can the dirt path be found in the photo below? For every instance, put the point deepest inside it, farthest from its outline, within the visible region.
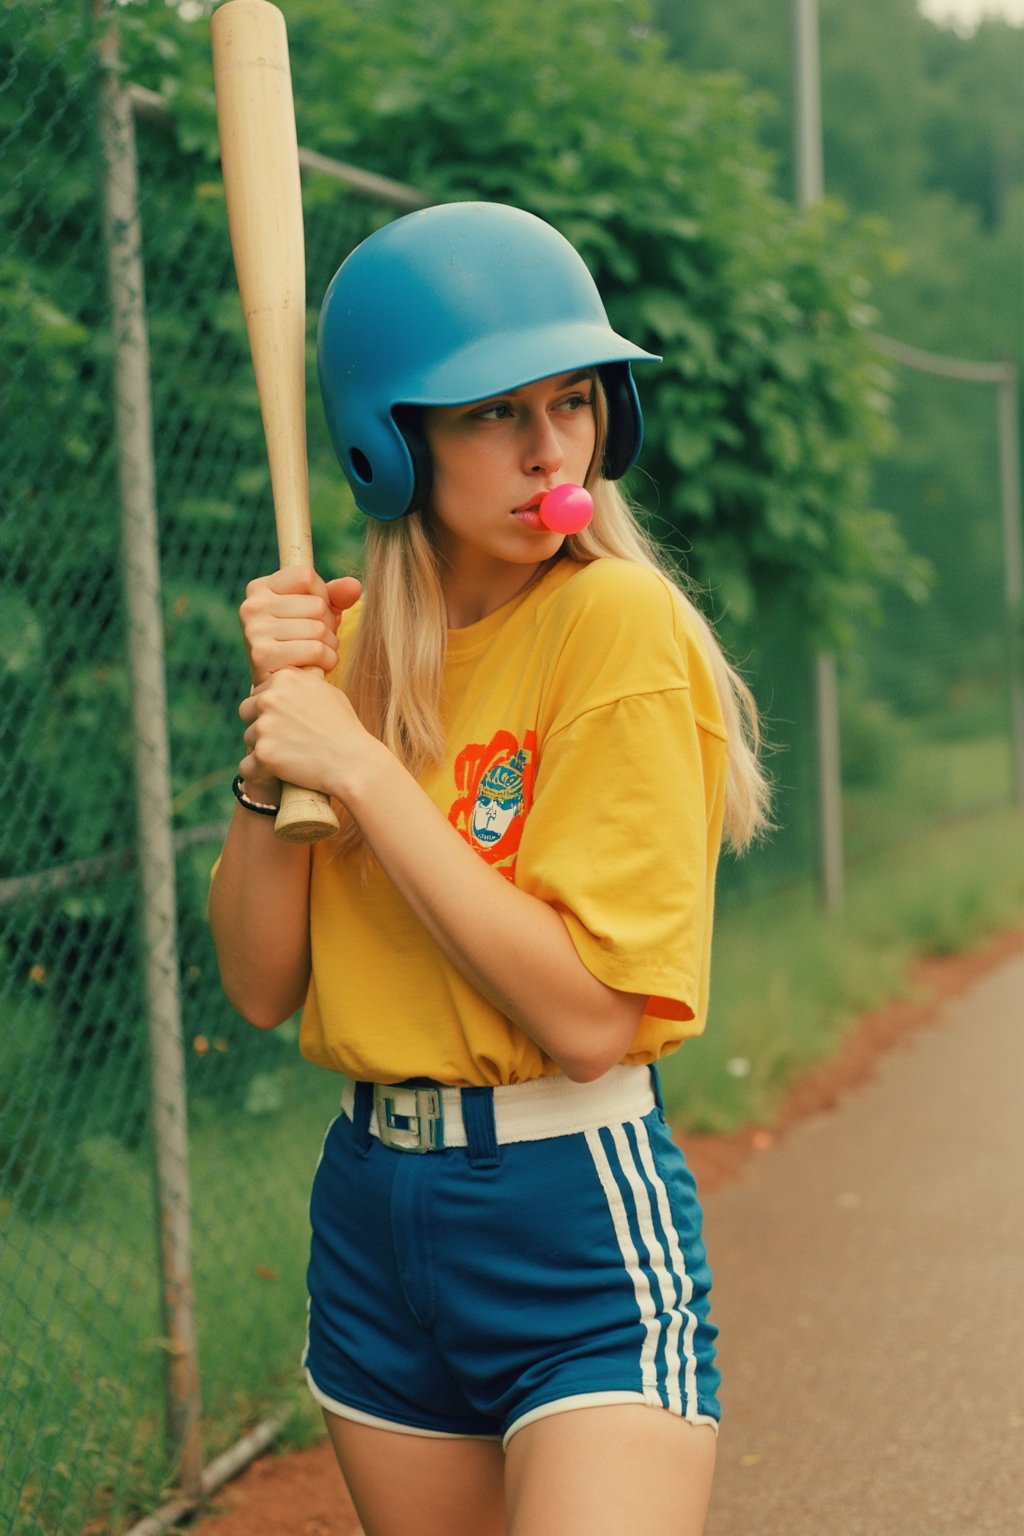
(301, 1493)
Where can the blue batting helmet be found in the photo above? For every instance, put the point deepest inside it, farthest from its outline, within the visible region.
(452, 304)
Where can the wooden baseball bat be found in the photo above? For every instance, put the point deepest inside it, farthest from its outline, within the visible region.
(260, 159)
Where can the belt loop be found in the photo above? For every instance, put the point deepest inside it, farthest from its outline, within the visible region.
(481, 1135)
(659, 1097)
(362, 1108)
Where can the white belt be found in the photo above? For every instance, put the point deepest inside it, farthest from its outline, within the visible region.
(421, 1119)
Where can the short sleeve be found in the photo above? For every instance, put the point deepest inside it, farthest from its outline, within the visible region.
(623, 834)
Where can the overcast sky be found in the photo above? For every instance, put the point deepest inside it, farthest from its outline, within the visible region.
(967, 12)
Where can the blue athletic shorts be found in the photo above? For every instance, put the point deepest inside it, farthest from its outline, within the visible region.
(470, 1290)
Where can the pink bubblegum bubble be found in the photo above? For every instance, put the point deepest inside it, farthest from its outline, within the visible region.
(566, 509)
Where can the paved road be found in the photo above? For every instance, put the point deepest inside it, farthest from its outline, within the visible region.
(870, 1293)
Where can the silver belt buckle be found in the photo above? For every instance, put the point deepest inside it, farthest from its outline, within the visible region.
(420, 1128)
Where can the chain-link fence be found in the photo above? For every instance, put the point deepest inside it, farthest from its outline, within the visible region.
(932, 716)
(121, 668)
(108, 983)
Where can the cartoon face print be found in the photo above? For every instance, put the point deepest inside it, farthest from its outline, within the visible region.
(499, 800)
(495, 783)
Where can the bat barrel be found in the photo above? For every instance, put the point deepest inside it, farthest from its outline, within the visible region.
(262, 188)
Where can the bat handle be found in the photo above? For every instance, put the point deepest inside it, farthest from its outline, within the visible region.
(306, 816)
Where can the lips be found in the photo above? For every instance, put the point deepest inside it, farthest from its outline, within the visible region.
(531, 505)
(528, 514)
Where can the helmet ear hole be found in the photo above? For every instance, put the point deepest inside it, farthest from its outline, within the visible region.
(360, 466)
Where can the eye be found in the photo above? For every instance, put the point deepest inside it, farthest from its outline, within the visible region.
(498, 411)
(573, 403)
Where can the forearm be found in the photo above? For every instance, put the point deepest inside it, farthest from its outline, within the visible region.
(259, 897)
(259, 914)
(511, 946)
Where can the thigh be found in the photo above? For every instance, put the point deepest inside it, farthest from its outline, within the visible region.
(417, 1485)
(604, 1471)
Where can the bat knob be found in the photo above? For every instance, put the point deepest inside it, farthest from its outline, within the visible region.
(566, 509)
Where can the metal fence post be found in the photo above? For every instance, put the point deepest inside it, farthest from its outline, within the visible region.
(810, 189)
(140, 562)
(1013, 563)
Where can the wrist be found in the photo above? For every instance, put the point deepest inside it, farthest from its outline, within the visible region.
(356, 778)
(260, 795)
(261, 786)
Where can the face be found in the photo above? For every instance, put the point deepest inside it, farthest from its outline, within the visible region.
(493, 461)
(492, 818)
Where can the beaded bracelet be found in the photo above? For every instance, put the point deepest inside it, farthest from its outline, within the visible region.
(251, 805)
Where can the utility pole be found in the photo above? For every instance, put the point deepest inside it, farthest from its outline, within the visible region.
(810, 189)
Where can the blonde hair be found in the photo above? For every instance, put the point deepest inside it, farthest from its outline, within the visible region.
(393, 673)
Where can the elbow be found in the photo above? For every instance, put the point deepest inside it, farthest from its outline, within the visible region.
(587, 1068)
(601, 1044)
(595, 1055)
(257, 1012)
(265, 1009)
(259, 1018)
(583, 1072)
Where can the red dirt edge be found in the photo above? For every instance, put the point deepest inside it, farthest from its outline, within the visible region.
(715, 1160)
(300, 1493)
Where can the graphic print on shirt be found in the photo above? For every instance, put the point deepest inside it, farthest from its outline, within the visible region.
(495, 784)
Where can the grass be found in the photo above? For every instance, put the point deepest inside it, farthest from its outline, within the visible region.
(80, 1353)
(788, 982)
(926, 782)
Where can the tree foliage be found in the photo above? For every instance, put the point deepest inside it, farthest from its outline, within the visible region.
(769, 404)
(762, 419)
(908, 106)
(921, 126)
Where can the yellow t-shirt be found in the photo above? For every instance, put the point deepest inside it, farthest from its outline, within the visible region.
(586, 762)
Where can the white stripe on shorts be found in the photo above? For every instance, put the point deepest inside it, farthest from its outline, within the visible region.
(675, 1323)
(681, 1313)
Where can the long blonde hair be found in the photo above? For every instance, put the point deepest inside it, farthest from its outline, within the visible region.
(394, 670)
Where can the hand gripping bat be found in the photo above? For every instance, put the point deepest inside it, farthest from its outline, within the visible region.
(260, 159)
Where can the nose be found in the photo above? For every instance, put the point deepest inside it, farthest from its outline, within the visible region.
(542, 450)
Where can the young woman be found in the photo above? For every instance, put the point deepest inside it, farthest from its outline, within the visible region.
(534, 744)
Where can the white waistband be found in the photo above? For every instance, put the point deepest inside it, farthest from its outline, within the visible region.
(533, 1111)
